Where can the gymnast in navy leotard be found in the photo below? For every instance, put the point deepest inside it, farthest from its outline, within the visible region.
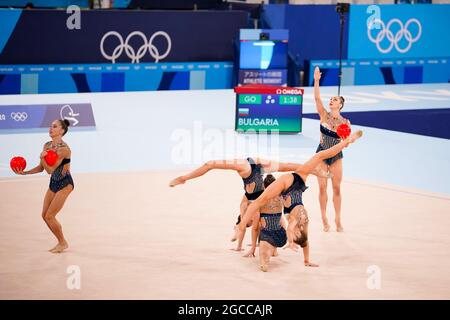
(251, 171)
(61, 182)
(328, 138)
(291, 187)
(293, 201)
(252, 192)
(253, 186)
(272, 228)
(329, 121)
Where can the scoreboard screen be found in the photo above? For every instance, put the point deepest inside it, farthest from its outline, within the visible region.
(260, 107)
(263, 55)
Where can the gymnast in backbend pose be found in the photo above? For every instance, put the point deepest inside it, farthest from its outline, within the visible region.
(291, 187)
(250, 170)
(271, 228)
(329, 121)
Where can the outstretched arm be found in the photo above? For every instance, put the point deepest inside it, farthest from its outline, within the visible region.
(272, 191)
(306, 250)
(255, 234)
(290, 232)
(62, 153)
(37, 169)
(319, 105)
(306, 257)
(238, 165)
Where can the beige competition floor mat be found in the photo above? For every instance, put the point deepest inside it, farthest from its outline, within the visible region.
(133, 237)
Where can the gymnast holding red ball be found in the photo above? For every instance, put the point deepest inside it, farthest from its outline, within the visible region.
(55, 160)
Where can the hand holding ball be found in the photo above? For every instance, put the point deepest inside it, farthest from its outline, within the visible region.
(51, 158)
(18, 164)
(343, 131)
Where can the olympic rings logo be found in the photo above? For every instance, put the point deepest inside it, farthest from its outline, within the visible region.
(135, 56)
(394, 39)
(19, 116)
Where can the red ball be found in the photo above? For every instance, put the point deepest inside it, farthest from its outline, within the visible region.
(343, 130)
(18, 163)
(51, 157)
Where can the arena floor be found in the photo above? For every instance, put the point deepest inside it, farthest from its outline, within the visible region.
(133, 237)
(154, 242)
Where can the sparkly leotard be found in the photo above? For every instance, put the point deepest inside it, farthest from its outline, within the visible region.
(256, 176)
(329, 138)
(58, 180)
(294, 193)
(272, 231)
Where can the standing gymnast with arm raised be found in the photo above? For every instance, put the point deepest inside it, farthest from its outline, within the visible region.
(329, 121)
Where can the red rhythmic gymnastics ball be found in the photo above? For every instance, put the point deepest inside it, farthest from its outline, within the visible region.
(18, 163)
(51, 157)
(343, 130)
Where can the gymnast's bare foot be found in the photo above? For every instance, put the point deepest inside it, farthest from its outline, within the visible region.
(358, 134)
(339, 227)
(326, 226)
(60, 247)
(176, 182)
(250, 253)
(264, 268)
(53, 247)
(310, 264)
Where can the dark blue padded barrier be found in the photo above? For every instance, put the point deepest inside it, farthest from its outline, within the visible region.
(382, 71)
(313, 29)
(44, 3)
(427, 122)
(190, 39)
